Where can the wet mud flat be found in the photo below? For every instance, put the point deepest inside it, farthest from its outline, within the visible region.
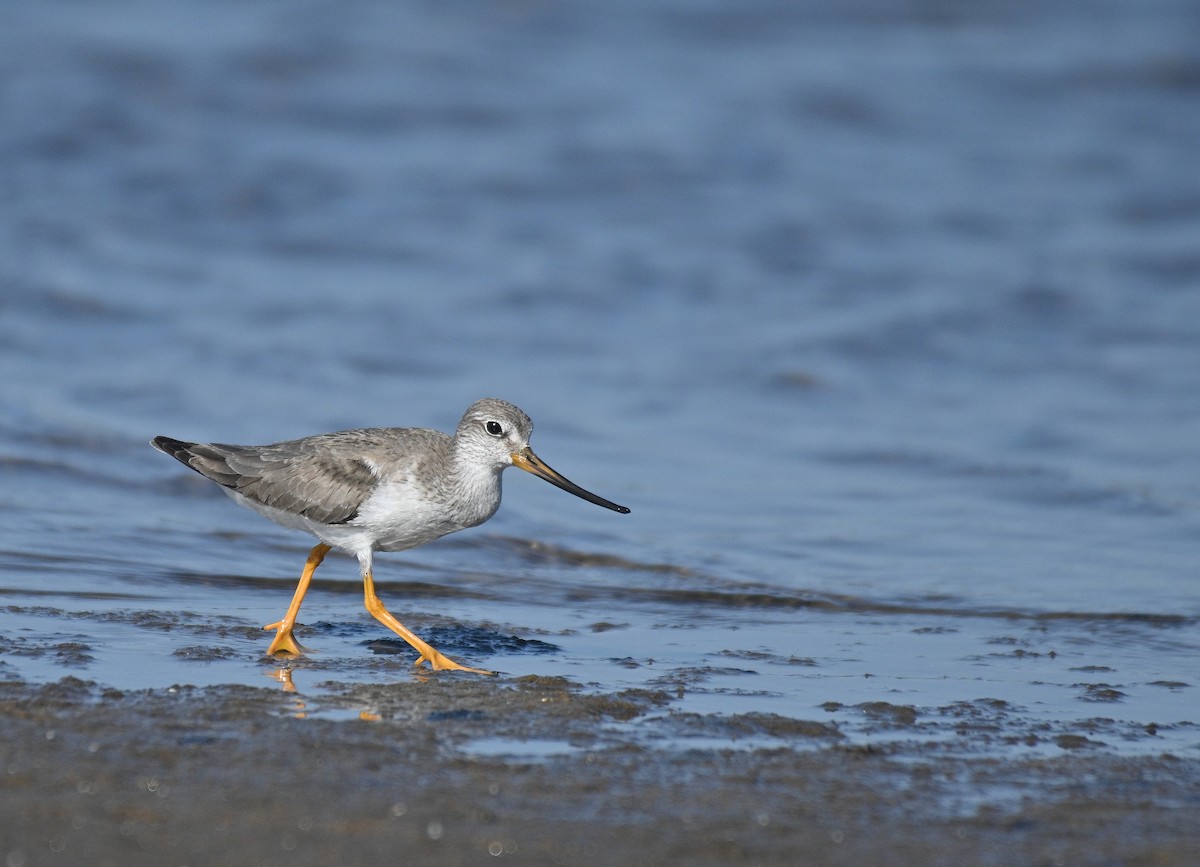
(461, 770)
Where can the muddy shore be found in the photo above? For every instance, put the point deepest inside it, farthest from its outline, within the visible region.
(460, 770)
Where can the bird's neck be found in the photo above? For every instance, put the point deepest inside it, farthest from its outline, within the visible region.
(476, 489)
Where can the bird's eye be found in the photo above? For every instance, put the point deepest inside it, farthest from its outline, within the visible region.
(494, 428)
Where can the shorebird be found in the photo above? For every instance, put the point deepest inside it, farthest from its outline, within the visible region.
(377, 489)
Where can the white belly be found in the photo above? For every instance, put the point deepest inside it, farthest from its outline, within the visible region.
(345, 537)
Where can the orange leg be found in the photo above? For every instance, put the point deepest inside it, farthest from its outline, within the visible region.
(437, 661)
(284, 641)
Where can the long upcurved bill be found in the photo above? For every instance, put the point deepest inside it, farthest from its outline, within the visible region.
(531, 463)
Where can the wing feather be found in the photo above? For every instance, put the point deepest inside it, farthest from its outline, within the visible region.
(325, 478)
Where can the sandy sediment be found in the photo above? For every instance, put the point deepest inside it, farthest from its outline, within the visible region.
(417, 772)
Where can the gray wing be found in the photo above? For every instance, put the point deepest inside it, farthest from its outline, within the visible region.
(324, 478)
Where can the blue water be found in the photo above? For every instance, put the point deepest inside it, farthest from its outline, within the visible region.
(884, 320)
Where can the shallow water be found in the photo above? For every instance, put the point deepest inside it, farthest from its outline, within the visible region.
(885, 324)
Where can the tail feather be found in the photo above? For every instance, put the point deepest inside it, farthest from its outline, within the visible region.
(208, 459)
(177, 449)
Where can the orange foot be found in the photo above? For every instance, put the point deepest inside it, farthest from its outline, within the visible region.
(438, 661)
(284, 641)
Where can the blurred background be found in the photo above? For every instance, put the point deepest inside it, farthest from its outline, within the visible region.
(881, 306)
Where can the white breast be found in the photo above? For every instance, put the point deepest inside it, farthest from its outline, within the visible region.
(397, 516)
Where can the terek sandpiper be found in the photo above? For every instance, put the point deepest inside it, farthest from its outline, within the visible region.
(377, 489)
